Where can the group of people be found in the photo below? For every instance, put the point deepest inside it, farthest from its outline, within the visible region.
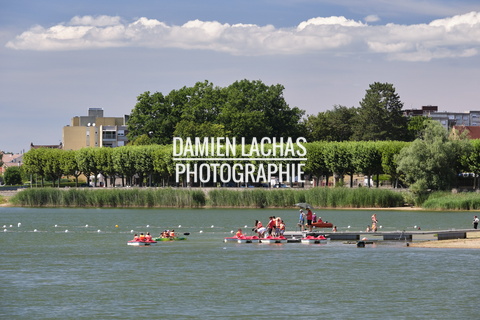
(168, 234)
(275, 227)
(143, 237)
(305, 220)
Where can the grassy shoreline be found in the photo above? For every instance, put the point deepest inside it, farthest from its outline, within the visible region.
(214, 198)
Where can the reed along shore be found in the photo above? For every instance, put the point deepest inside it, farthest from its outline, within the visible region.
(208, 198)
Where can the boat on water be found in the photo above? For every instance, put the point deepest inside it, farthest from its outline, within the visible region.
(141, 242)
(270, 240)
(313, 240)
(248, 239)
(322, 224)
(170, 239)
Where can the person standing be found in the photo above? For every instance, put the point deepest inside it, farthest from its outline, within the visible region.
(301, 220)
(475, 222)
(309, 219)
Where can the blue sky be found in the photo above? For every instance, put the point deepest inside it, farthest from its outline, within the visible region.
(59, 58)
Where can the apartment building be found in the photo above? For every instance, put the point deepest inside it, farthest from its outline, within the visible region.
(447, 119)
(95, 130)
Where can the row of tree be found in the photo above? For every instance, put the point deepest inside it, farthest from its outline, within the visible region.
(252, 109)
(430, 162)
(243, 109)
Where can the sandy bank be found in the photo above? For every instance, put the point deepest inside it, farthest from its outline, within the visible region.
(472, 242)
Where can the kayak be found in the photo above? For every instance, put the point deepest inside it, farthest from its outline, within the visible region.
(270, 239)
(249, 239)
(312, 239)
(170, 239)
(140, 243)
(322, 224)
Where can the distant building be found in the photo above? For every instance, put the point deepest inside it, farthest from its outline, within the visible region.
(447, 119)
(425, 111)
(10, 160)
(48, 146)
(95, 130)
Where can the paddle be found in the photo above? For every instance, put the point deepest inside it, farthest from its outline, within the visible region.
(186, 233)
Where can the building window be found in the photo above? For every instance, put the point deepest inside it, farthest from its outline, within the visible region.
(109, 135)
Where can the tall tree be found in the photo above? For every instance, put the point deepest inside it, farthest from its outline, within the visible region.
(331, 125)
(380, 115)
(431, 163)
(156, 116)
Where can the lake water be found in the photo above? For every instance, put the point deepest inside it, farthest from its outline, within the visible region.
(76, 265)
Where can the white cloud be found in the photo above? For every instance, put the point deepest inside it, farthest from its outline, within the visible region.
(372, 18)
(457, 36)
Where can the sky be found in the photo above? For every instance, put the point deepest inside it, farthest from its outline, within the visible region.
(58, 58)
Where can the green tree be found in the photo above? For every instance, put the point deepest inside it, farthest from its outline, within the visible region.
(69, 165)
(380, 115)
(389, 151)
(34, 162)
(471, 160)
(154, 115)
(338, 159)
(416, 125)
(316, 164)
(87, 163)
(13, 176)
(431, 163)
(331, 125)
(53, 167)
(253, 109)
(367, 159)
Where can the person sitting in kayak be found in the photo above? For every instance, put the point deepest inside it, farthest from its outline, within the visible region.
(172, 234)
(148, 237)
(136, 238)
(239, 233)
(142, 237)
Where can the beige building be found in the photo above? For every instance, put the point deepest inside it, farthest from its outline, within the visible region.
(95, 130)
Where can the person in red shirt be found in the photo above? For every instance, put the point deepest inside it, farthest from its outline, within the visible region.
(309, 219)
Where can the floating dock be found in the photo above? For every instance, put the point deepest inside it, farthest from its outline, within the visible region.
(407, 236)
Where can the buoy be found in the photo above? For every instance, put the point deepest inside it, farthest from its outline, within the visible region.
(11, 226)
(55, 226)
(415, 227)
(116, 226)
(246, 226)
(4, 230)
(212, 226)
(231, 231)
(148, 226)
(179, 225)
(131, 231)
(381, 227)
(66, 231)
(35, 230)
(4, 225)
(19, 224)
(98, 230)
(201, 231)
(348, 227)
(86, 226)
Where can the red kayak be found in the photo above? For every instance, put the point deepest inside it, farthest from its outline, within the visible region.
(322, 224)
(312, 239)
